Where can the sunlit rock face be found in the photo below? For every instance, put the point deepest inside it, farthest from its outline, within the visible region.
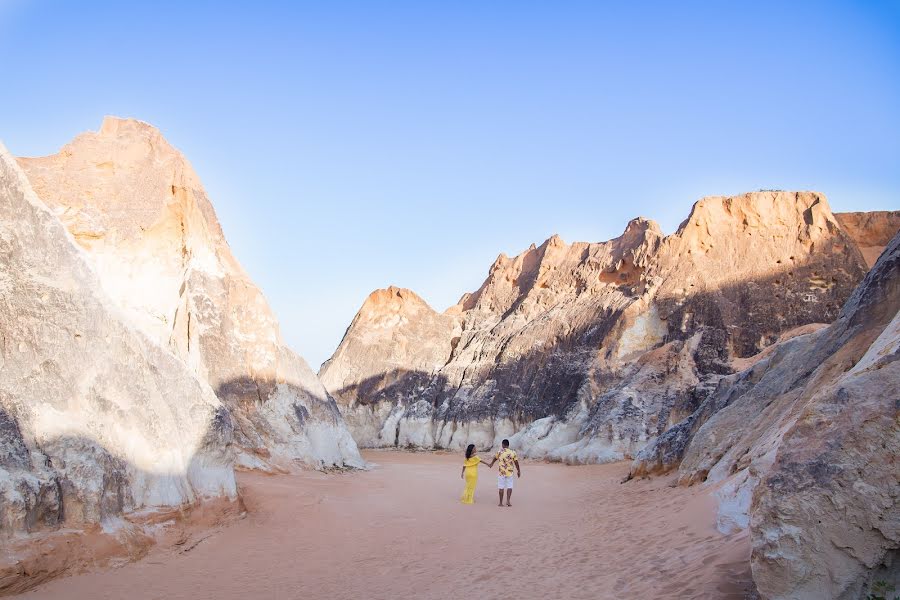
(382, 361)
(136, 207)
(96, 418)
(588, 352)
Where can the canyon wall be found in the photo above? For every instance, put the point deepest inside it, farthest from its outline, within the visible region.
(96, 419)
(707, 352)
(587, 352)
(139, 364)
(802, 445)
(872, 231)
(133, 203)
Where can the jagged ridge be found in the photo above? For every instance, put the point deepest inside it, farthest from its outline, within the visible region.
(138, 209)
(588, 351)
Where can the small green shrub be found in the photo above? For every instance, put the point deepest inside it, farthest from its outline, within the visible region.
(882, 590)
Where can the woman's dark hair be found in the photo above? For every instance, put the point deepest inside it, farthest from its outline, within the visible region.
(470, 450)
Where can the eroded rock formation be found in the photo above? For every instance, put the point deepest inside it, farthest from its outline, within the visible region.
(96, 419)
(707, 351)
(587, 352)
(803, 444)
(871, 231)
(137, 208)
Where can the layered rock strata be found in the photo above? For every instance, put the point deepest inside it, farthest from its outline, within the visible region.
(587, 352)
(133, 203)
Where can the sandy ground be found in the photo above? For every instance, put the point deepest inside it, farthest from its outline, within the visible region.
(398, 531)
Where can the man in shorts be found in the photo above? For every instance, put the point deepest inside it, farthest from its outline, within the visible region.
(508, 460)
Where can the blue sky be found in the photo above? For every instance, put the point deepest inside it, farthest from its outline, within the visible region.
(352, 145)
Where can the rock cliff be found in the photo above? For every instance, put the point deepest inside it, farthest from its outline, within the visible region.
(135, 206)
(96, 419)
(871, 231)
(803, 446)
(706, 352)
(588, 352)
(825, 520)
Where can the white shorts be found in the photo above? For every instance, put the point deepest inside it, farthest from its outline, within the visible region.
(505, 482)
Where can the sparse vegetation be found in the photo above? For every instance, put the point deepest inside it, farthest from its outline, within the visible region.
(882, 590)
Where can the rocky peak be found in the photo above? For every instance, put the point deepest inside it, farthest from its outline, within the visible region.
(641, 226)
(135, 204)
(557, 266)
(119, 127)
(714, 215)
(567, 332)
(392, 304)
(125, 181)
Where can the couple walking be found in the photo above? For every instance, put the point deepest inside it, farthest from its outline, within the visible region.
(508, 460)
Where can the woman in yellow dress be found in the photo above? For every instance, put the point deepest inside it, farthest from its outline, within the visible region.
(470, 474)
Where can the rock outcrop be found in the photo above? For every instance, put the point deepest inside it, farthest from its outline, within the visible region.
(871, 231)
(588, 352)
(803, 446)
(136, 207)
(825, 520)
(707, 351)
(96, 419)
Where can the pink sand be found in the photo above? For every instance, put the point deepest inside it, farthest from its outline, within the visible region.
(399, 531)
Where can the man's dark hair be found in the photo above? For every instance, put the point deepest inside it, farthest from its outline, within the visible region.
(505, 443)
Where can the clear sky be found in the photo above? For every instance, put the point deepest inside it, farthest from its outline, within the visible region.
(348, 146)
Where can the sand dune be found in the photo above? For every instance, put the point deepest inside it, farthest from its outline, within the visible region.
(399, 531)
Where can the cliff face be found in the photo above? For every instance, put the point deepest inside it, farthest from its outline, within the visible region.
(136, 207)
(587, 352)
(825, 520)
(707, 351)
(96, 419)
(523, 332)
(803, 444)
(872, 231)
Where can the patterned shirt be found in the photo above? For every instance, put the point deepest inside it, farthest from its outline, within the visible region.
(507, 460)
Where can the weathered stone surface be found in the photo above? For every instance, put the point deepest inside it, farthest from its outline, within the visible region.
(666, 452)
(825, 520)
(804, 444)
(96, 419)
(383, 363)
(588, 352)
(871, 231)
(137, 208)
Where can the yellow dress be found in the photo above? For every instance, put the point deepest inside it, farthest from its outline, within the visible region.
(471, 473)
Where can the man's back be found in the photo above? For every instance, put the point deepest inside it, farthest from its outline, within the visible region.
(507, 459)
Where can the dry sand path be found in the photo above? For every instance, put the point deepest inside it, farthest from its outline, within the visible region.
(398, 531)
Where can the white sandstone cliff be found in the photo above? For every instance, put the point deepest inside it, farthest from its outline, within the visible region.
(135, 205)
(96, 419)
